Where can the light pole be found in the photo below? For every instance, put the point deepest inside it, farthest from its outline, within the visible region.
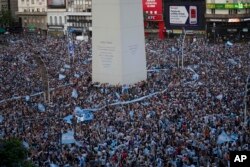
(47, 76)
(245, 99)
(214, 26)
(182, 49)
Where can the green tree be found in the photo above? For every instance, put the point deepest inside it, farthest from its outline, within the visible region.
(13, 154)
(6, 18)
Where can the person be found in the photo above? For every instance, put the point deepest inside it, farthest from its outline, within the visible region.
(179, 125)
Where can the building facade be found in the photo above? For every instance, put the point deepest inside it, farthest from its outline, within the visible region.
(33, 15)
(13, 7)
(56, 20)
(3, 5)
(228, 19)
(79, 17)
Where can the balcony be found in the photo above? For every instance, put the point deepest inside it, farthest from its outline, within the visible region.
(226, 16)
(78, 21)
(31, 13)
(55, 25)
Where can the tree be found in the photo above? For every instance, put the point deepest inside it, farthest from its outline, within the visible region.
(6, 18)
(13, 154)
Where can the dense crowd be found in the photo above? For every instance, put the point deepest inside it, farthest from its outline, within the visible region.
(184, 121)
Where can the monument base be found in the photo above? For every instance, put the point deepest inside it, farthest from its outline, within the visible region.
(118, 42)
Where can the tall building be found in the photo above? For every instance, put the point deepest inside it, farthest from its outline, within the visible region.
(3, 5)
(56, 20)
(13, 7)
(228, 19)
(79, 16)
(10, 5)
(33, 15)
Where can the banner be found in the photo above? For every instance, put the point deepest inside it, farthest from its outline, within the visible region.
(228, 5)
(152, 10)
(68, 138)
(184, 14)
(57, 4)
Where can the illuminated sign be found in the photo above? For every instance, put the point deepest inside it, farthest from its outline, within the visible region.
(153, 10)
(228, 5)
(56, 4)
(236, 20)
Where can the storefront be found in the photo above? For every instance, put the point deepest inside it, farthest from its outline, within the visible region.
(153, 18)
(232, 22)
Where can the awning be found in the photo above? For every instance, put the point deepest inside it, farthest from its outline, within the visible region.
(31, 27)
(2, 30)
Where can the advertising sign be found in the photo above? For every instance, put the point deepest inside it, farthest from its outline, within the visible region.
(152, 10)
(181, 14)
(57, 4)
(228, 5)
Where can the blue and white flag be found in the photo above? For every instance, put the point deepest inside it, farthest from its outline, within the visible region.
(61, 76)
(131, 114)
(223, 137)
(53, 165)
(74, 94)
(68, 138)
(68, 119)
(1, 118)
(66, 66)
(27, 98)
(25, 144)
(229, 43)
(71, 48)
(41, 107)
(77, 75)
(83, 114)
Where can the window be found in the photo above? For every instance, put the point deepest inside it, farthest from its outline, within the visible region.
(212, 11)
(233, 11)
(55, 20)
(50, 20)
(60, 20)
(32, 2)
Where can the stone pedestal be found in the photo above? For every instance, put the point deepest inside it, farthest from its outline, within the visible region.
(118, 42)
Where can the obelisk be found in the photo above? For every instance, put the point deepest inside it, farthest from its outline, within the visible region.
(118, 55)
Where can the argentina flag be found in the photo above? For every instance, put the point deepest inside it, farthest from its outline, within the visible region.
(71, 48)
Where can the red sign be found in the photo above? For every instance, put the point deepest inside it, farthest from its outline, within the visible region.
(153, 10)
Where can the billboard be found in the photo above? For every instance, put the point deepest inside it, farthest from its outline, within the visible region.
(228, 5)
(184, 14)
(57, 4)
(153, 10)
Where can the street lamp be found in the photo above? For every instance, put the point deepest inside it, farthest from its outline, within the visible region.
(47, 76)
(214, 26)
(245, 100)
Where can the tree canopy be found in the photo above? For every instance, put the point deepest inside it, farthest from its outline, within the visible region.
(6, 18)
(13, 154)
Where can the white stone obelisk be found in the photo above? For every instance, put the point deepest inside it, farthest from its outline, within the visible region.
(118, 42)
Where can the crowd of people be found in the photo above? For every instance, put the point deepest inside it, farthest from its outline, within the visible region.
(190, 116)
